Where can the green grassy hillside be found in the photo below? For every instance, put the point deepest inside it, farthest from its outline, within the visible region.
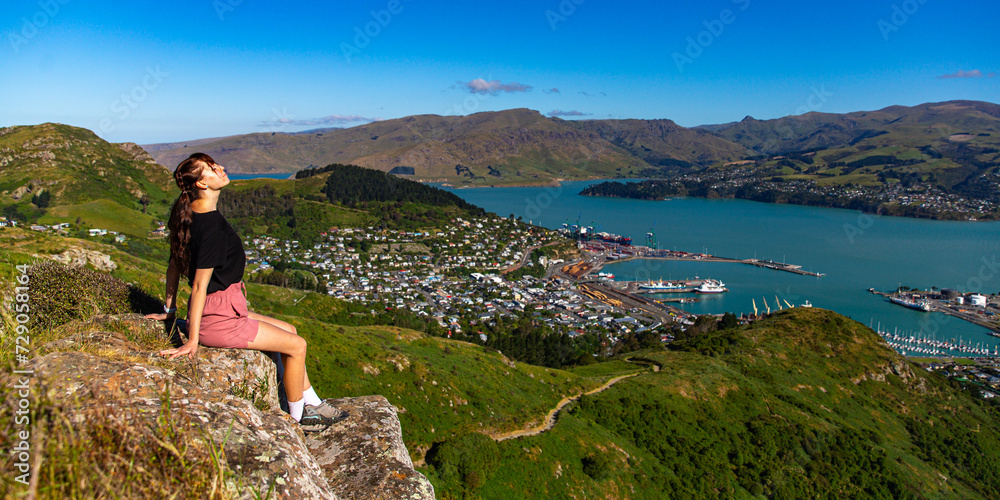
(663, 143)
(54, 173)
(806, 403)
(111, 186)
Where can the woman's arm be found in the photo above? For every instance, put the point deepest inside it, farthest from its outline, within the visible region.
(170, 299)
(196, 306)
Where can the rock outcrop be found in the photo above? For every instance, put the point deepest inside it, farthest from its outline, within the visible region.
(79, 257)
(231, 394)
(365, 453)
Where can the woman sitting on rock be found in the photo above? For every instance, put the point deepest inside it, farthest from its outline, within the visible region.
(206, 249)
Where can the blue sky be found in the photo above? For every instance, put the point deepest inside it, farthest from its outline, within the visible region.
(184, 70)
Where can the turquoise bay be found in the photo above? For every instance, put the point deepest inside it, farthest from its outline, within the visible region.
(856, 251)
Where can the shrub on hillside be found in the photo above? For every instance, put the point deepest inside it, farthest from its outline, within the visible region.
(59, 294)
(467, 460)
(598, 466)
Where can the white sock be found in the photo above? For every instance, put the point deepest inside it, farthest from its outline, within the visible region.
(310, 397)
(295, 408)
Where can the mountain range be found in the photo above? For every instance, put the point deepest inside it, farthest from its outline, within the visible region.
(521, 146)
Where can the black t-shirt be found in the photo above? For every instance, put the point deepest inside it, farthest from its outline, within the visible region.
(215, 244)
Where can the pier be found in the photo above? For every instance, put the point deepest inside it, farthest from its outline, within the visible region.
(780, 266)
(613, 252)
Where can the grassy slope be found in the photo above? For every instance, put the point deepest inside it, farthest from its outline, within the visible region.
(315, 216)
(809, 374)
(104, 214)
(441, 387)
(657, 140)
(99, 182)
(527, 148)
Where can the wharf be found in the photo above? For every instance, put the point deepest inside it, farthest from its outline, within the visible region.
(639, 252)
(781, 266)
(942, 306)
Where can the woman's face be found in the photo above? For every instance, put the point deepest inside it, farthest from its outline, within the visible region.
(214, 177)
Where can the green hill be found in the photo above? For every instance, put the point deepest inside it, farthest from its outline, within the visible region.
(804, 404)
(663, 143)
(337, 196)
(54, 173)
(77, 174)
(950, 144)
(910, 126)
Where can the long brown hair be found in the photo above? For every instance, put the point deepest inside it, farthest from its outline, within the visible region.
(186, 175)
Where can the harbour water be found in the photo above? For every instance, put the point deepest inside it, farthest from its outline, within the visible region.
(855, 251)
(284, 175)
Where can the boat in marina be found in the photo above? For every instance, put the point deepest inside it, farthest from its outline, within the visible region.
(916, 343)
(711, 286)
(661, 285)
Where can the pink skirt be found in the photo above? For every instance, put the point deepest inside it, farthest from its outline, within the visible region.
(226, 322)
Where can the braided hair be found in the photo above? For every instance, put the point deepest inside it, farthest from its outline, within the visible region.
(186, 175)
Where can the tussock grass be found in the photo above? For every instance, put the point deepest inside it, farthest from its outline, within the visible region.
(60, 294)
(119, 452)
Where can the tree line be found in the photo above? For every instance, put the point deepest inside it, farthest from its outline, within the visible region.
(351, 185)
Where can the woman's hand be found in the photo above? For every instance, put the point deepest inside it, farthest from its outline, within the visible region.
(190, 348)
(160, 316)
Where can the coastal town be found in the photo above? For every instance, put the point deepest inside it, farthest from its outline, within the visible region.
(470, 271)
(918, 197)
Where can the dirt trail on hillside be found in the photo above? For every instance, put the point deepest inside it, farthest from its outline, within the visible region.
(550, 418)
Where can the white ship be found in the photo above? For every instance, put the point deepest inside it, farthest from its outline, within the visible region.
(661, 285)
(711, 286)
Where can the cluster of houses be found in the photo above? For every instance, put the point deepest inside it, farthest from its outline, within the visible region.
(985, 374)
(62, 228)
(923, 194)
(453, 275)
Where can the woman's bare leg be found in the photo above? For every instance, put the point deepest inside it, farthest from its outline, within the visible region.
(293, 355)
(288, 328)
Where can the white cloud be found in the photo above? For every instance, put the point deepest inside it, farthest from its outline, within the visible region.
(480, 86)
(556, 112)
(966, 74)
(326, 120)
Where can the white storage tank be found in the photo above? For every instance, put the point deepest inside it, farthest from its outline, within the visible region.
(960, 300)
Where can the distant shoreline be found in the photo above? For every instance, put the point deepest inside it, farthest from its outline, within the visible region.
(956, 217)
